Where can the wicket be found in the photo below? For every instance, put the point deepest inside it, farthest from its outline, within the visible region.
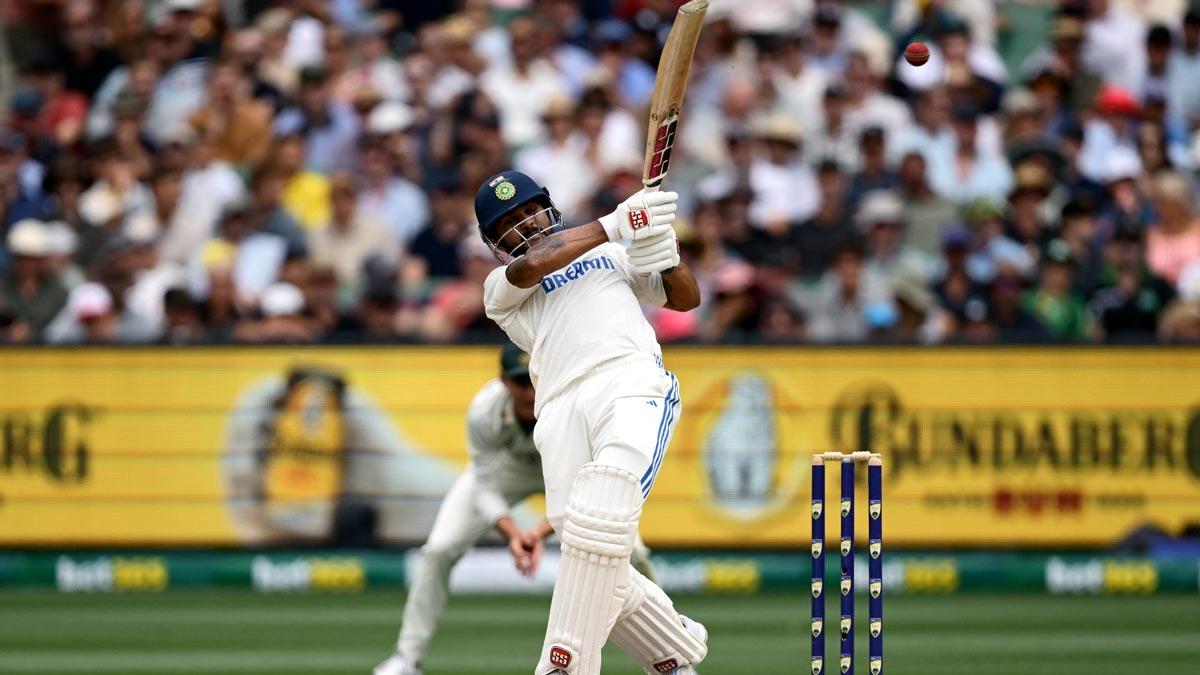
(848, 464)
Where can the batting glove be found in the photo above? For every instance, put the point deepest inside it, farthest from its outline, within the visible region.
(644, 215)
(655, 255)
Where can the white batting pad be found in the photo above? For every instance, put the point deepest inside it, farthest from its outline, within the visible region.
(652, 632)
(599, 528)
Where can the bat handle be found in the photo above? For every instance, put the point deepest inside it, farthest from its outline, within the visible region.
(652, 188)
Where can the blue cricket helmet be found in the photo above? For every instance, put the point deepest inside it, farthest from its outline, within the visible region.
(500, 195)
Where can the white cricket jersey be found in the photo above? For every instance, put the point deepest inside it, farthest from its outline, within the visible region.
(503, 457)
(577, 318)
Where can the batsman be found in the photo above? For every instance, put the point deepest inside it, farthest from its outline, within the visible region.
(606, 407)
(505, 468)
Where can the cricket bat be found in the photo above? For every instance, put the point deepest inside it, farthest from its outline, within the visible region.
(669, 85)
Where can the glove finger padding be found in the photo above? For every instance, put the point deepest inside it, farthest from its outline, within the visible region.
(658, 266)
(644, 247)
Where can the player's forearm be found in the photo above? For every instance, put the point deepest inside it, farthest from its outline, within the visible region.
(507, 528)
(683, 293)
(554, 252)
(543, 530)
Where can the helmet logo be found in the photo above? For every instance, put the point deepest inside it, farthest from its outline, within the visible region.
(506, 191)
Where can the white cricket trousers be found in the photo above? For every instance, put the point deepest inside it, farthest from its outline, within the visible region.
(622, 414)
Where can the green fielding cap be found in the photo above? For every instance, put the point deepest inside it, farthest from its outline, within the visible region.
(513, 361)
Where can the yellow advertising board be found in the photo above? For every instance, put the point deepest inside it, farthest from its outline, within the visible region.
(982, 447)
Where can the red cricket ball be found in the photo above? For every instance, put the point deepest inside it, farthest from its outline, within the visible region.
(916, 53)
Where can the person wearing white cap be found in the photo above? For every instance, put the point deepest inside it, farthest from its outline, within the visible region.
(881, 220)
(282, 307)
(89, 318)
(31, 292)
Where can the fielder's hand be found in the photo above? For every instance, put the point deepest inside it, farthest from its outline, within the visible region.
(644, 215)
(656, 254)
(526, 549)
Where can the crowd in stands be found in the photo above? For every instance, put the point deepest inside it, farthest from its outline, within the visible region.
(302, 171)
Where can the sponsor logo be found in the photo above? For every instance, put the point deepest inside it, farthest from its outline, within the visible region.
(817, 586)
(875, 508)
(876, 627)
(497, 180)
(847, 625)
(55, 444)
(818, 625)
(560, 657)
(506, 191)
(876, 666)
(876, 588)
(846, 506)
(817, 549)
(876, 548)
(871, 416)
(110, 574)
(845, 547)
(576, 270)
(847, 586)
(639, 219)
(666, 666)
(818, 665)
(816, 509)
(847, 661)
(304, 574)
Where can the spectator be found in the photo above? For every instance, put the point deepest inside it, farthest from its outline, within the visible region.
(874, 173)
(1111, 37)
(233, 121)
(456, 309)
(991, 252)
(785, 190)
(926, 215)
(347, 240)
(32, 295)
(1174, 241)
(386, 200)
(253, 257)
(181, 319)
(1013, 323)
(837, 307)
(827, 231)
(971, 172)
(880, 219)
(281, 318)
(1053, 302)
(330, 127)
(1127, 308)
(1109, 132)
(1183, 71)
(1078, 229)
(1180, 323)
(434, 253)
(523, 90)
(563, 161)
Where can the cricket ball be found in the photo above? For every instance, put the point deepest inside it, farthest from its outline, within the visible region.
(916, 53)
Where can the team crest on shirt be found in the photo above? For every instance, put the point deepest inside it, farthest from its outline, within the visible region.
(505, 191)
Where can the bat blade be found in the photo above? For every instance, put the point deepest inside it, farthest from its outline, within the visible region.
(669, 86)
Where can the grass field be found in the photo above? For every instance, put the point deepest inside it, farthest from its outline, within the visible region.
(193, 632)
